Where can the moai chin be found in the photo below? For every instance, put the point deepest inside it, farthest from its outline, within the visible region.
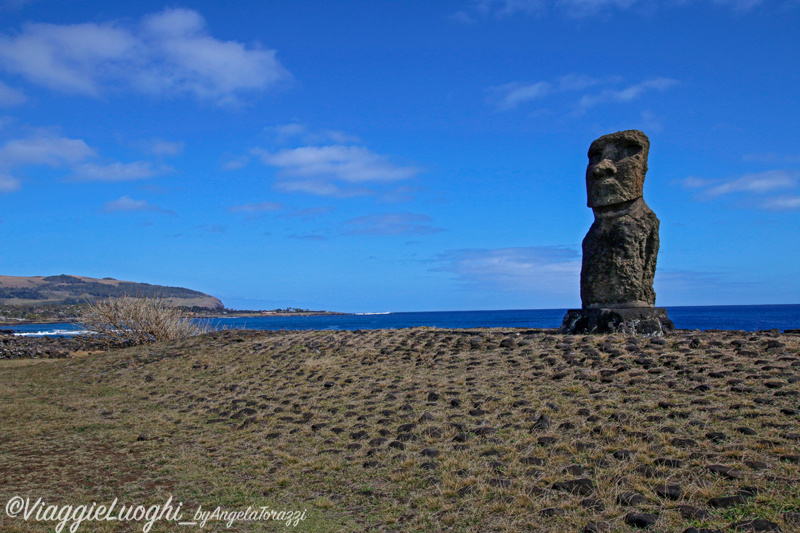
(621, 247)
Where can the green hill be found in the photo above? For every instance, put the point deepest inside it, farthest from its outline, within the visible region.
(68, 290)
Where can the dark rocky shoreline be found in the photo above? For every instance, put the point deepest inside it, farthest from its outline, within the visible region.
(54, 347)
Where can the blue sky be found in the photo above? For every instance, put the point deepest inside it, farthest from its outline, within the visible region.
(395, 156)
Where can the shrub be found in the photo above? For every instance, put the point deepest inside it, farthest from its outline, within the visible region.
(135, 321)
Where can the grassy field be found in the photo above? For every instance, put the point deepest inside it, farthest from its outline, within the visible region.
(416, 430)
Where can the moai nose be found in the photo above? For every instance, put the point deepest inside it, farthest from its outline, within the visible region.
(604, 168)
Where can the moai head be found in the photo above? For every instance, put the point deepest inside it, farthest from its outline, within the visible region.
(617, 165)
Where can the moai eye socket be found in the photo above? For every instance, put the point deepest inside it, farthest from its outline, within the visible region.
(628, 150)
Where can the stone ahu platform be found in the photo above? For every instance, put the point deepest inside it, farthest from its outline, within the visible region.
(645, 321)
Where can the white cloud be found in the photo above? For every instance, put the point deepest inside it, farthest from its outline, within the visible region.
(169, 53)
(8, 183)
(125, 204)
(167, 148)
(512, 94)
(213, 228)
(392, 224)
(14, 5)
(10, 96)
(505, 8)
(577, 8)
(536, 269)
(352, 164)
(312, 212)
(781, 203)
(44, 150)
(771, 158)
(285, 133)
(398, 195)
(311, 237)
(329, 163)
(760, 183)
(53, 151)
(256, 208)
(585, 8)
(627, 94)
(739, 5)
(650, 122)
(333, 170)
(235, 163)
(67, 58)
(577, 82)
(322, 188)
(136, 170)
(462, 17)
(693, 182)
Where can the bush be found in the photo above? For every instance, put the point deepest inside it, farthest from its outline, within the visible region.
(135, 321)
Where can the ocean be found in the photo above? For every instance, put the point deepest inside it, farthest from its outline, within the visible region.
(731, 317)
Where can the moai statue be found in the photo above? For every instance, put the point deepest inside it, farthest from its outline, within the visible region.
(620, 250)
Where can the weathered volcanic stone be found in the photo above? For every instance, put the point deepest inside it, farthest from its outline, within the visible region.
(621, 247)
(619, 257)
(646, 321)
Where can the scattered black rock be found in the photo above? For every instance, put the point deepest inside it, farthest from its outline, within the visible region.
(669, 463)
(543, 423)
(546, 441)
(593, 504)
(582, 487)
(640, 520)
(693, 513)
(725, 471)
(629, 499)
(756, 525)
(756, 465)
(725, 502)
(670, 492)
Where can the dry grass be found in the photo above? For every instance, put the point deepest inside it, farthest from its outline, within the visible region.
(135, 321)
(453, 434)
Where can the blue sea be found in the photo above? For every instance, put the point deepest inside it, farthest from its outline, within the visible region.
(731, 317)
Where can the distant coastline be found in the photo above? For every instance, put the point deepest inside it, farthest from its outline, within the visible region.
(211, 314)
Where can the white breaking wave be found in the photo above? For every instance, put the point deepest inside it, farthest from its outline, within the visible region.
(51, 333)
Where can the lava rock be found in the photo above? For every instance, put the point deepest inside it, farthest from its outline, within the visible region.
(640, 520)
(581, 487)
